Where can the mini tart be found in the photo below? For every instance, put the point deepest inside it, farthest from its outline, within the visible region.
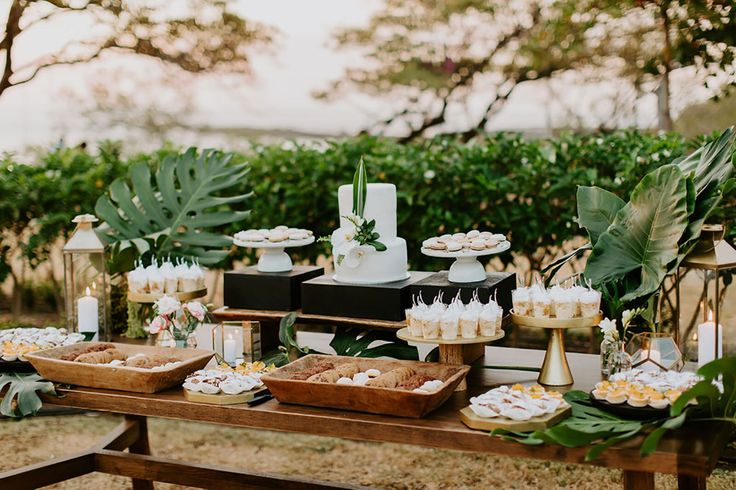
(616, 397)
(599, 394)
(638, 400)
(672, 395)
(659, 403)
(603, 385)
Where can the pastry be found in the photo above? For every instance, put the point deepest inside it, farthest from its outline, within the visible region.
(616, 396)
(473, 234)
(305, 374)
(102, 357)
(372, 373)
(392, 378)
(414, 382)
(478, 244)
(332, 375)
(454, 246)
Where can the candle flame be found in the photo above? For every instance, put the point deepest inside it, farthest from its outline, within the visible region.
(710, 315)
(86, 291)
(94, 286)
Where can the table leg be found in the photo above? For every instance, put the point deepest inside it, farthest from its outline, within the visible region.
(685, 482)
(638, 480)
(140, 446)
(555, 369)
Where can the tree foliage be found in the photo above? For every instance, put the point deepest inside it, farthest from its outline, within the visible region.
(203, 36)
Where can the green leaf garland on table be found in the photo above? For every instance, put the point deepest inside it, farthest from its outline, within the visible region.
(21, 398)
(594, 427)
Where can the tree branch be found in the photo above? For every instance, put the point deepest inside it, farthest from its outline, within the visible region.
(12, 30)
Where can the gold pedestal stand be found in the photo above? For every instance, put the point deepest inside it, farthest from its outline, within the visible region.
(555, 368)
(458, 351)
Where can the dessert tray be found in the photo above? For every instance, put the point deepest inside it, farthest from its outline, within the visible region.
(515, 408)
(380, 386)
(404, 334)
(224, 385)
(17, 343)
(273, 258)
(171, 366)
(466, 267)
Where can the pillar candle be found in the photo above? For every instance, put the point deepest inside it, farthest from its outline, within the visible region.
(229, 349)
(707, 342)
(88, 315)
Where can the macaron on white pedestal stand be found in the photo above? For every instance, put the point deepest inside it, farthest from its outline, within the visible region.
(466, 267)
(274, 258)
(451, 351)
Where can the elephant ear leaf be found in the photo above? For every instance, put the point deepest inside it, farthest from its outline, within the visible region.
(710, 163)
(171, 211)
(21, 398)
(643, 239)
(597, 209)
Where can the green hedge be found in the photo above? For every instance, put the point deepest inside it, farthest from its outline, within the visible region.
(505, 183)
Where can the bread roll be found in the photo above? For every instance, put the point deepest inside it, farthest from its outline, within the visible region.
(332, 375)
(391, 379)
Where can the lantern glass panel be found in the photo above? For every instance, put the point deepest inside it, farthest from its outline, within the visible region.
(239, 341)
(651, 351)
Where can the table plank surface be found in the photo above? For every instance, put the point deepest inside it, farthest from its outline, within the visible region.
(692, 450)
(238, 314)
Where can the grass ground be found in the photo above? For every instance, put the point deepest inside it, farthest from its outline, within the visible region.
(381, 465)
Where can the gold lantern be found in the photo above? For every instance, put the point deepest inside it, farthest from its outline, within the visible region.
(86, 282)
(711, 258)
(238, 341)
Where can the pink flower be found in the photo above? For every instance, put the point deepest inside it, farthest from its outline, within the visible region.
(157, 324)
(196, 309)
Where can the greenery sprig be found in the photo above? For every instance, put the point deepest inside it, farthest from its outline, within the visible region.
(365, 234)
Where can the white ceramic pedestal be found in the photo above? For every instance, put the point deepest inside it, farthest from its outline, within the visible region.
(466, 267)
(274, 258)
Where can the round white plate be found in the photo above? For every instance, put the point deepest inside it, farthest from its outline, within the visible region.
(267, 244)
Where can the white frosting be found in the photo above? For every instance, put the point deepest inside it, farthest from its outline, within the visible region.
(376, 267)
(380, 205)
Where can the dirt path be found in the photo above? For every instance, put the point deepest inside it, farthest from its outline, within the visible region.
(381, 465)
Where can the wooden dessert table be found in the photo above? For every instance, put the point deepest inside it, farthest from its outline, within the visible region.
(691, 452)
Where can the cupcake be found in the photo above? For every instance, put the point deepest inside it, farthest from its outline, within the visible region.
(449, 325)
(590, 303)
(487, 321)
(469, 324)
(522, 301)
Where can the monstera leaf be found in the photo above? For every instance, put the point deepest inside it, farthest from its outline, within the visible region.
(21, 397)
(711, 163)
(643, 239)
(597, 209)
(172, 213)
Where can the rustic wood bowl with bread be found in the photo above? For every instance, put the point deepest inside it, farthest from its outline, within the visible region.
(286, 387)
(58, 365)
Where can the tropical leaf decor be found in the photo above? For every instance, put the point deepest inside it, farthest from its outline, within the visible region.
(173, 211)
(636, 244)
(21, 397)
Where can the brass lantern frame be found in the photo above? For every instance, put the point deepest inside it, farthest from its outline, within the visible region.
(711, 254)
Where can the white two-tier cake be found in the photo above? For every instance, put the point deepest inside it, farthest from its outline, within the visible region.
(364, 264)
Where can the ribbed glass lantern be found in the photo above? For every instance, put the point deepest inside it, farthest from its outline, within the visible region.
(86, 282)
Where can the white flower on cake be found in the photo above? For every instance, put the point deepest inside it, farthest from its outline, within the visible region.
(354, 255)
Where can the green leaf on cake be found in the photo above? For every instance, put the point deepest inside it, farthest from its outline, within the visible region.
(360, 189)
(643, 238)
(171, 211)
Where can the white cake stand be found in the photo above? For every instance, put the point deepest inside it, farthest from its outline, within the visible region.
(274, 258)
(466, 267)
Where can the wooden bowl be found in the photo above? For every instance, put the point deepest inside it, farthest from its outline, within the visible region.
(385, 401)
(123, 378)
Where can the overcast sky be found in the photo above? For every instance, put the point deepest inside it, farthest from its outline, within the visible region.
(278, 95)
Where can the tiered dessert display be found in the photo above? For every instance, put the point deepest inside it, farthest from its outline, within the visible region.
(465, 248)
(382, 386)
(452, 326)
(127, 367)
(180, 278)
(556, 309)
(515, 408)
(273, 242)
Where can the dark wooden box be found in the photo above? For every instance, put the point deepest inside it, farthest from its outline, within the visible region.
(324, 296)
(279, 291)
(499, 284)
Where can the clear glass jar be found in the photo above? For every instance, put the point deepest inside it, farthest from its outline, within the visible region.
(614, 358)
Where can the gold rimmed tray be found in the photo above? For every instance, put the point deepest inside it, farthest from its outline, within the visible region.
(540, 422)
(153, 297)
(532, 321)
(405, 335)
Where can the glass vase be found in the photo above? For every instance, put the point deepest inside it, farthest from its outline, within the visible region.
(614, 358)
(165, 339)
